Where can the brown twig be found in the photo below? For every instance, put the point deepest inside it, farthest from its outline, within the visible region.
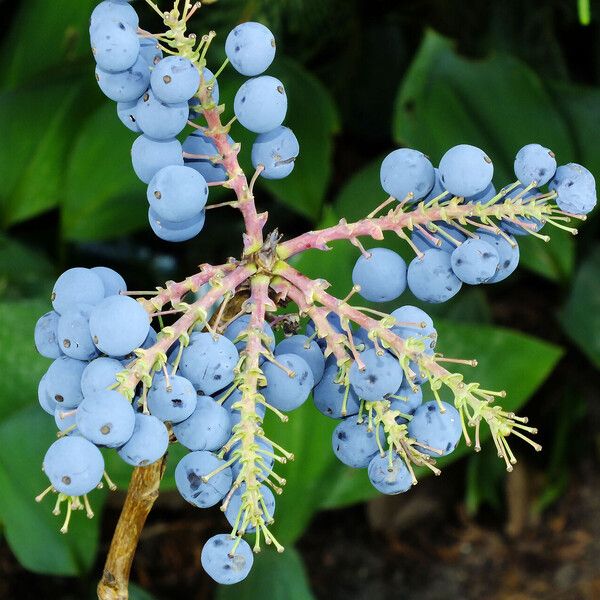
(141, 495)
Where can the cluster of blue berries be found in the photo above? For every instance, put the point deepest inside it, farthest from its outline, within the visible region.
(448, 253)
(359, 441)
(91, 334)
(157, 96)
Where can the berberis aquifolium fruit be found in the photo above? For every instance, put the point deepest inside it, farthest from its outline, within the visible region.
(200, 361)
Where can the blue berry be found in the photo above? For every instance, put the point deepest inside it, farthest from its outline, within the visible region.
(276, 151)
(508, 253)
(148, 442)
(106, 418)
(63, 381)
(235, 504)
(389, 478)
(150, 51)
(466, 170)
(287, 392)
(484, 196)
(576, 189)
(239, 325)
(431, 278)
(212, 84)
(224, 564)
(115, 45)
(382, 375)
(250, 47)
(170, 231)
(475, 261)
(74, 335)
(125, 86)
(74, 287)
(74, 466)
(100, 374)
(188, 478)
(113, 282)
(406, 171)
(114, 10)
(174, 401)
(158, 120)
(207, 428)
(201, 145)
(535, 163)
(410, 325)
(119, 325)
(354, 444)
(174, 79)
(261, 104)
(307, 349)
(328, 395)
(127, 116)
(46, 335)
(149, 156)
(48, 404)
(381, 275)
(407, 399)
(209, 362)
(177, 194)
(440, 431)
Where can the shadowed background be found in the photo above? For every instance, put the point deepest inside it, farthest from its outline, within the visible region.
(362, 78)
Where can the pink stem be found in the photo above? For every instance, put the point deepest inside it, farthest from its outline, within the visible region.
(254, 222)
(395, 221)
(308, 288)
(175, 291)
(143, 365)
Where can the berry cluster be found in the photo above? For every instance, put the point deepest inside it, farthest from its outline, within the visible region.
(449, 255)
(208, 377)
(159, 96)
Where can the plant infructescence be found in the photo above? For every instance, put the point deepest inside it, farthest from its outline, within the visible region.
(207, 377)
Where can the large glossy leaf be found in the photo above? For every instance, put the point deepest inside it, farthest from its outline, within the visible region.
(45, 37)
(19, 359)
(273, 576)
(581, 316)
(35, 128)
(23, 271)
(498, 104)
(508, 360)
(103, 198)
(30, 528)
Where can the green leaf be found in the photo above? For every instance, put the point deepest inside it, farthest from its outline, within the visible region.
(19, 358)
(23, 272)
(273, 576)
(498, 104)
(32, 531)
(485, 475)
(508, 360)
(581, 316)
(103, 197)
(35, 128)
(45, 36)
